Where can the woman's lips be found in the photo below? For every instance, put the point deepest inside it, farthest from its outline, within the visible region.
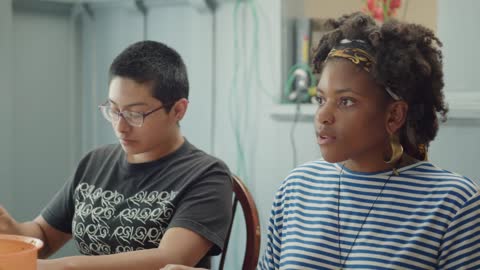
(325, 139)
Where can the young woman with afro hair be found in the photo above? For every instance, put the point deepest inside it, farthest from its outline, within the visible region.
(375, 201)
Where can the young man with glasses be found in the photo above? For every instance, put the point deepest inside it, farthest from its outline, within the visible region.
(152, 199)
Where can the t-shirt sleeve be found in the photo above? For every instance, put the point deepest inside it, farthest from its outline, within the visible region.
(60, 210)
(460, 248)
(206, 208)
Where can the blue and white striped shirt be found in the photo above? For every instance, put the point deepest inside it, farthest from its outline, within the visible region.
(425, 218)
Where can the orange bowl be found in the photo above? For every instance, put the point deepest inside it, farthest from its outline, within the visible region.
(18, 252)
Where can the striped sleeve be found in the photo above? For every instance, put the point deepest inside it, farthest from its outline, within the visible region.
(461, 245)
(271, 256)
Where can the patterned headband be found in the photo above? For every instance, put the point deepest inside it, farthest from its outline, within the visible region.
(354, 50)
(357, 52)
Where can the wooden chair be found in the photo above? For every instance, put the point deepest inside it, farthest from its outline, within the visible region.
(252, 249)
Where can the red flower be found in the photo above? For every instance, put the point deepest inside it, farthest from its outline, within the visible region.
(376, 8)
(394, 4)
(371, 4)
(378, 13)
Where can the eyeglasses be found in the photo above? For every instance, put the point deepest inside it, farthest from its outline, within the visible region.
(135, 119)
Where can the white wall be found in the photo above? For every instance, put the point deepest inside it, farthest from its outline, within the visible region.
(111, 29)
(458, 29)
(457, 146)
(6, 105)
(267, 141)
(40, 127)
(43, 142)
(189, 31)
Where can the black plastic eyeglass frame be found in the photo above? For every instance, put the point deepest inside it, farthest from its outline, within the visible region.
(104, 108)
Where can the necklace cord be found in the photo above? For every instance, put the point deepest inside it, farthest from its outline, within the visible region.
(339, 226)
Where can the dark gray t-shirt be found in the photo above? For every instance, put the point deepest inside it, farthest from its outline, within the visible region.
(111, 206)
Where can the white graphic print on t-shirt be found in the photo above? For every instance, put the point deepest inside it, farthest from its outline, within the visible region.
(106, 222)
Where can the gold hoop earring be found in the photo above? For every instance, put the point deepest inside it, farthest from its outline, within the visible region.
(423, 151)
(397, 150)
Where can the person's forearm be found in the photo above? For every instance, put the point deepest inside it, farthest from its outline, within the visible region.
(142, 260)
(33, 229)
(8, 225)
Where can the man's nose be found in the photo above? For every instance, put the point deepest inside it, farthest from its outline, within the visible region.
(122, 124)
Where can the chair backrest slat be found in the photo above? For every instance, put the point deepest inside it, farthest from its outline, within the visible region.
(227, 239)
(252, 224)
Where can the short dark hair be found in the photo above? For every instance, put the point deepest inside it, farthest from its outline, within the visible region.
(408, 61)
(154, 63)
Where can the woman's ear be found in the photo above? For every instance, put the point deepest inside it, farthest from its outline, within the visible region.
(396, 116)
(179, 109)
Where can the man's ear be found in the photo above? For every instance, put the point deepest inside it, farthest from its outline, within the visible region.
(179, 109)
(396, 116)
